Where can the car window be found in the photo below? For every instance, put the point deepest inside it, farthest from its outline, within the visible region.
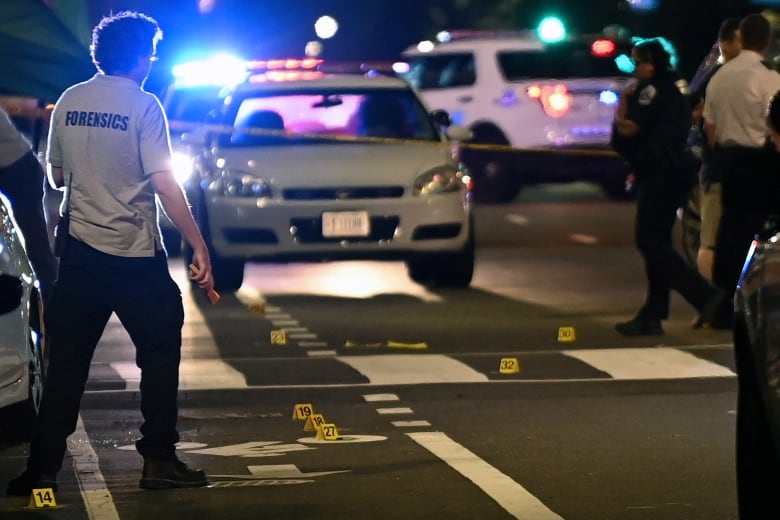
(442, 71)
(313, 117)
(560, 61)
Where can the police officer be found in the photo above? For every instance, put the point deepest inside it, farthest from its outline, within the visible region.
(650, 131)
(735, 124)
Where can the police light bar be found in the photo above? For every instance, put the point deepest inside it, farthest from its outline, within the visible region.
(222, 69)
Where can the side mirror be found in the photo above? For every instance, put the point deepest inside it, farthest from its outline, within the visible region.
(441, 117)
(10, 293)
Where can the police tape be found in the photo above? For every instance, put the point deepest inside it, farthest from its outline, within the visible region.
(205, 129)
(186, 126)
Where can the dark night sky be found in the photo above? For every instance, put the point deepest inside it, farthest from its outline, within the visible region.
(380, 29)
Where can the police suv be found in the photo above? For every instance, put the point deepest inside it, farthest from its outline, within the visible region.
(537, 91)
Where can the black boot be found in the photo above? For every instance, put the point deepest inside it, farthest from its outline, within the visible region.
(640, 327)
(167, 474)
(23, 484)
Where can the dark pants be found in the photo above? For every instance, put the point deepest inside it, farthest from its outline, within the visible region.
(91, 285)
(22, 183)
(658, 197)
(751, 193)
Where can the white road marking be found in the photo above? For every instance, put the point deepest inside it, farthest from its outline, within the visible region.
(375, 398)
(322, 353)
(285, 323)
(410, 424)
(302, 335)
(519, 220)
(510, 495)
(393, 411)
(281, 471)
(312, 344)
(649, 363)
(97, 498)
(404, 369)
(584, 239)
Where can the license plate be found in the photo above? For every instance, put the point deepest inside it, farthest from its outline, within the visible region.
(345, 224)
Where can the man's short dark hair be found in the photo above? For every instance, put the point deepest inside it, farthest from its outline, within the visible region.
(119, 40)
(755, 30)
(728, 29)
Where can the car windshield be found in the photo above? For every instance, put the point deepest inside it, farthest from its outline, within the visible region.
(563, 60)
(327, 116)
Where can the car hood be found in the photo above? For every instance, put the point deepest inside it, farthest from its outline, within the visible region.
(343, 164)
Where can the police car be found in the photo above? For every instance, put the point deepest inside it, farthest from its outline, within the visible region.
(300, 165)
(539, 90)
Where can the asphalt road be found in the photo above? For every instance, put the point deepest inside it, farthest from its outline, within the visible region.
(591, 426)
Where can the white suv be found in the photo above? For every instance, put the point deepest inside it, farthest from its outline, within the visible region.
(514, 89)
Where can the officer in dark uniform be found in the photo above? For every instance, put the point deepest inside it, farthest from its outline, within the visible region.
(650, 131)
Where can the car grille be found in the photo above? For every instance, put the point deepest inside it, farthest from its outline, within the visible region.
(250, 236)
(309, 230)
(372, 192)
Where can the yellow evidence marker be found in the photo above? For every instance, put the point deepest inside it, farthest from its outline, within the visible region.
(279, 337)
(327, 432)
(257, 307)
(313, 422)
(302, 411)
(566, 334)
(42, 497)
(509, 365)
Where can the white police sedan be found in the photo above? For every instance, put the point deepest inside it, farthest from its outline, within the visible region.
(301, 165)
(21, 335)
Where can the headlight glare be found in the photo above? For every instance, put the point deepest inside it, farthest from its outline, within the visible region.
(236, 184)
(444, 179)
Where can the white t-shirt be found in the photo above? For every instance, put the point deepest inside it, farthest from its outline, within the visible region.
(737, 98)
(111, 135)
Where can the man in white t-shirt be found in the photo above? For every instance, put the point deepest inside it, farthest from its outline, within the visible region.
(735, 125)
(109, 150)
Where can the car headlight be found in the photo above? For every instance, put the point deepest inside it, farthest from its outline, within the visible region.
(237, 184)
(443, 179)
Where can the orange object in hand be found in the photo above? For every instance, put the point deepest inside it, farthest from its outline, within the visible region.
(211, 294)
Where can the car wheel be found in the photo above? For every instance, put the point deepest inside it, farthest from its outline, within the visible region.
(453, 270)
(492, 171)
(690, 225)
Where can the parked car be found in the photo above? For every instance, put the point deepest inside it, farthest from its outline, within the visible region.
(517, 90)
(317, 166)
(21, 335)
(757, 347)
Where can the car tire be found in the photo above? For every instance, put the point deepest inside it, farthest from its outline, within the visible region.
(451, 270)
(492, 171)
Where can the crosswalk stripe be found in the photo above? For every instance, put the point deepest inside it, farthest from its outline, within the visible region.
(649, 363)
